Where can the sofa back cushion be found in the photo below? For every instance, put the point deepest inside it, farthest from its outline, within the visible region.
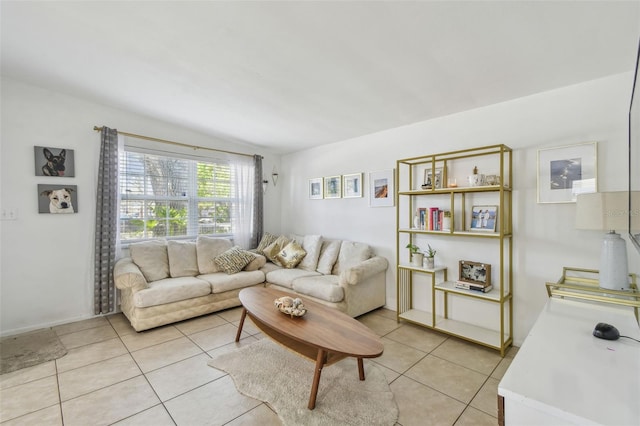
(208, 248)
(312, 245)
(182, 258)
(351, 253)
(152, 259)
(328, 256)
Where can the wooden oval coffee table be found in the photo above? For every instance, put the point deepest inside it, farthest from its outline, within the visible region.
(323, 334)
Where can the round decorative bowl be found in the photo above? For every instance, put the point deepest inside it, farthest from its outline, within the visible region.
(290, 306)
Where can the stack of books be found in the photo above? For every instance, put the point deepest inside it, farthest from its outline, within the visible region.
(484, 288)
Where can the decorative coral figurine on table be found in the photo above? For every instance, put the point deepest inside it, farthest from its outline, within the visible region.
(290, 306)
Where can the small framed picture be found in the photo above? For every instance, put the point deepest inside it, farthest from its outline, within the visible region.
(475, 273)
(332, 187)
(58, 162)
(432, 181)
(315, 189)
(352, 185)
(567, 171)
(484, 218)
(381, 189)
(57, 199)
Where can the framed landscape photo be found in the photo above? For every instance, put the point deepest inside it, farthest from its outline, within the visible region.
(432, 181)
(381, 190)
(315, 189)
(352, 185)
(567, 171)
(484, 218)
(332, 187)
(475, 273)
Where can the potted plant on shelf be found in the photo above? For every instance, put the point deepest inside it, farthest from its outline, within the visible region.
(431, 254)
(416, 255)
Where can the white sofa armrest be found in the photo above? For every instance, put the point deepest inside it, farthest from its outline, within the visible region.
(127, 275)
(363, 270)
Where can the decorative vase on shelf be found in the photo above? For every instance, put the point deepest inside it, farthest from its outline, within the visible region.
(429, 262)
(416, 222)
(417, 259)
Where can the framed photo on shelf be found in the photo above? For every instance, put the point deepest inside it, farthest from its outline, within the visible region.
(475, 273)
(315, 189)
(432, 181)
(333, 187)
(484, 218)
(352, 185)
(567, 171)
(381, 189)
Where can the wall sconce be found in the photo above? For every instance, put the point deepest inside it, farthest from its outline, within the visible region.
(265, 185)
(274, 176)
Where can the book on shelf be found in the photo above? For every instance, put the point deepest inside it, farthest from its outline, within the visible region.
(422, 212)
(485, 288)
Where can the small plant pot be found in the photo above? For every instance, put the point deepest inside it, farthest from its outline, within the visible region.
(429, 262)
(417, 259)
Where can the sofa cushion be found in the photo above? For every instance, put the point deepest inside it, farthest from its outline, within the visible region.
(182, 258)
(208, 248)
(272, 250)
(171, 290)
(351, 254)
(285, 277)
(267, 240)
(328, 256)
(258, 262)
(291, 255)
(221, 282)
(323, 287)
(151, 257)
(233, 260)
(312, 245)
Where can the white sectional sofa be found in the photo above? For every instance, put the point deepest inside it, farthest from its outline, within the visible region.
(164, 282)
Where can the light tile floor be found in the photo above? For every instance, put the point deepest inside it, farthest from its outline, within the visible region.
(113, 375)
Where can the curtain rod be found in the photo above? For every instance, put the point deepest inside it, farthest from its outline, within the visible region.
(149, 138)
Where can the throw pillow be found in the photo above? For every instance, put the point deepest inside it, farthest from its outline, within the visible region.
(207, 249)
(182, 258)
(258, 262)
(311, 244)
(267, 239)
(233, 260)
(328, 256)
(272, 250)
(291, 255)
(151, 257)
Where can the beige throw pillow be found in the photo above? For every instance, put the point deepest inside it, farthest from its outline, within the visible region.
(290, 256)
(233, 260)
(267, 239)
(258, 262)
(151, 257)
(182, 258)
(272, 250)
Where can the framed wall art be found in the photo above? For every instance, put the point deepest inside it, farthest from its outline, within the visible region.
(381, 189)
(57, 199)
(484, 218)
(567, 171)
(333, 187)
(316, 189)
(58, 162)
(352, 185)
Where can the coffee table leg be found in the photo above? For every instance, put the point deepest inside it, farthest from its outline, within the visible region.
(360, 369)
(320, 360)
(244, 315)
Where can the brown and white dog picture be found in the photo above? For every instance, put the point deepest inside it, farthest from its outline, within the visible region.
(57, 199)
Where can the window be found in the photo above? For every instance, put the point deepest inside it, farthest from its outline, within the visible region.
(167, 197)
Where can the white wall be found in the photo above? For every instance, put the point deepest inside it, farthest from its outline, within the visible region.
(46, 261)
(545, 239)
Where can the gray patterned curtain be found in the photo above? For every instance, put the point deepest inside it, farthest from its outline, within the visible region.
(106, 223)
(258, 203)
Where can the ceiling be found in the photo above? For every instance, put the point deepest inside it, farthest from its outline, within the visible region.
(292, 75)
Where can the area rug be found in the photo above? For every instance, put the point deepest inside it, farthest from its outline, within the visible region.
(29, 349)
(273, 374)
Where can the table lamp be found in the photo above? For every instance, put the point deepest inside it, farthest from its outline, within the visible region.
(607, 211)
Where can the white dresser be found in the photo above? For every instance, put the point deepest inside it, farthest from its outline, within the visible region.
(563, 375)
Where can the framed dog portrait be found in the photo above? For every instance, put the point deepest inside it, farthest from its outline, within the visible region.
(57, 199)
(57, 162)
(475, 273)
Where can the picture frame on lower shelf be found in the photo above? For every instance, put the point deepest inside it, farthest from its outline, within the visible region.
(484, 218)
(475, 273)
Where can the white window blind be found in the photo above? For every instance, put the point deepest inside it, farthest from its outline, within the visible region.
(170, 197)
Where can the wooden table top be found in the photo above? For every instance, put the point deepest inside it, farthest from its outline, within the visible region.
(322, 327)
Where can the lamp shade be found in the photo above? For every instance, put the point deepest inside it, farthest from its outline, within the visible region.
(603, 211)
